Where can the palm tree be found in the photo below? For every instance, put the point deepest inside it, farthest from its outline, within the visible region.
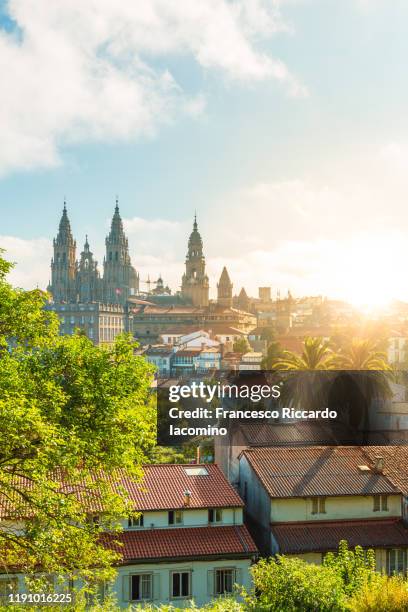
(316, 355)
(305, 375)
(372, 374)
(362, 354)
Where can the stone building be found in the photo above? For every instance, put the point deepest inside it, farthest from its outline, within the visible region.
(74, 281)
(104, 306)
(194, 285)
(224, 289)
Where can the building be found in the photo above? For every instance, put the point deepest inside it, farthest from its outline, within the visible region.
(195, 285)
(224, 289)
(251, 361)
(161, 357)
(188, 542)
(100, 322)
(74, 281)
(397, 351)
(303, 501)
(151, 322)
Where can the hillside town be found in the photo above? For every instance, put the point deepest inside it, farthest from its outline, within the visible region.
(273, 488)
(185, 331)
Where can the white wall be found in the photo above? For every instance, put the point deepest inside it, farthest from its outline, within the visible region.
(341, 507)
(202, 592)
(191, 518)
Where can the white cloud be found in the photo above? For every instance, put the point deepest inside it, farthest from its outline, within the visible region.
(75, 71)
(32, 259)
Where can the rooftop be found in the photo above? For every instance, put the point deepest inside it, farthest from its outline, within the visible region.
(323, 536)
(317, 471)
(179, 542)
(163, 488)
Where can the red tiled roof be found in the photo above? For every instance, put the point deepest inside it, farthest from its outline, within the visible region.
(193, 352)
(316, 471)
(395, 463)
(163, 488)
(182, 542)
(294, 434)
(324, 536)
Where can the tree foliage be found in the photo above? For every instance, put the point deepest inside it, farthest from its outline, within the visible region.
(71, 415)
(241, 345)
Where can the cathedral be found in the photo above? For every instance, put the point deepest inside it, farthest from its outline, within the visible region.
(104, 305)
(79, 281)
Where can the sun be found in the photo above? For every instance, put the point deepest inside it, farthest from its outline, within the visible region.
(367, 272)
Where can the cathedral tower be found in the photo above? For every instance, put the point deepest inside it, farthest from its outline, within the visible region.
(224, 289)
(194, 285)
(88, 281)
(63, 264)
(119, 276)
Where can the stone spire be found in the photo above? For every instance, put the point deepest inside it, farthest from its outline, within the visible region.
(64, 236)
(194, 284)
(88, 280)
(224, 289)
(63, 263)
(120, 278)
(243, 300)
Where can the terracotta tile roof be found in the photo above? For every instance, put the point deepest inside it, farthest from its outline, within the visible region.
(395, 463)
(294, 434)
(164, 485)
(316, 471)
(162, 488)
(182, 542)
(325, 536)
(193, 352)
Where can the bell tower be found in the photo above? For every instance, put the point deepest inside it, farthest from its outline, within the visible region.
(224, 289)
(120, 279)
(194, 284)
(88, 281)
(63, 264)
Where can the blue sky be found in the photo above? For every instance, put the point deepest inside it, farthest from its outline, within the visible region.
(283, 123)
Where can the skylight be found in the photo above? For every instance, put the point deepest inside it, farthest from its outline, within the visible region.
(196, 471)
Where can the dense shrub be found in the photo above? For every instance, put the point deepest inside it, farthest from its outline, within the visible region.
(290, 584)
(381, 594)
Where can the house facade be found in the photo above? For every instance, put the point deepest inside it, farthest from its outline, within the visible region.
(303, 500)
(186, 542)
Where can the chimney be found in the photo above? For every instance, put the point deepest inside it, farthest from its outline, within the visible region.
(187, 498)
(379, 464)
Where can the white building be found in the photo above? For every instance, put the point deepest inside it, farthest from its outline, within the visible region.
(189, 541)
(304, 501)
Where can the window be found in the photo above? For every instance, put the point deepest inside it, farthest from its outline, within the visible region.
(215, 515)
(8, 586)
(141, 587)
(136, 521)
(224, 581)
(380, 503)
(245, 491)
(397, 561)
(318, 505)
(175, 517)
(181, 584)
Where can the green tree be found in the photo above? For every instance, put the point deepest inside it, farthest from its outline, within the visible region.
(316, 355)
(367, 358)
(73, 419)
(274, 354)
(292, 585)
(241, 345)
(305, 376)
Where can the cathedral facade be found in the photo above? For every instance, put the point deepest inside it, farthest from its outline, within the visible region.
(79, 280)
(105, 305)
